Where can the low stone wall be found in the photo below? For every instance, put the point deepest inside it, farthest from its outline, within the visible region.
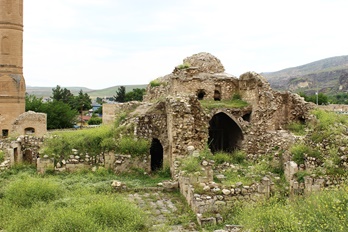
(311, 183)
(205, 196)
(117, 162)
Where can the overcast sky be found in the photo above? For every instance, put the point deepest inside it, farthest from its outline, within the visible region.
(103, 43)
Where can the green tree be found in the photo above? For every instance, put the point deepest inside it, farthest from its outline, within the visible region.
(99, 100)
(135, 95)
(33, 103)
(81, 101)
(120, 94)
(63, 95)
(59, 115)
(94, 120)
(322, 98)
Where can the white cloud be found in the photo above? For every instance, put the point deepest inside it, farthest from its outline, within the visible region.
(101, 43)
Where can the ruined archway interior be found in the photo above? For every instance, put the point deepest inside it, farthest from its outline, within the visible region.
(224, 134)
(156, 151)
(200, 94)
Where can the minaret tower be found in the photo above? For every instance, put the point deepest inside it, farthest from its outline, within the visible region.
(12, 83)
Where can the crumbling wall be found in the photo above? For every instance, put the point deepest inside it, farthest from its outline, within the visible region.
(31, 123)
(110, 111)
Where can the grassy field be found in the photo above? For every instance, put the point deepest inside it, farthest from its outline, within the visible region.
(82, 201)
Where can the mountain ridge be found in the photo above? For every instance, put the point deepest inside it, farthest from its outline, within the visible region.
(106, 92)
(326, 75)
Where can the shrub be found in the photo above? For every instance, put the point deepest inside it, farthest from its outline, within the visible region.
(298, 152)
(191, 164)
(95, 121)
(129, 145)
(236, 96)
(183, 66)
(297, 128)
(24, 192)
(155, 83)
(92, 141)
(300, 175)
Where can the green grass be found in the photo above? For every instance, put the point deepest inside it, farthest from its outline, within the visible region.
(191, 164)
(83, 201)
(322, 211)
(2, 156)
(211, 104)
(89, 141)
(297, 128)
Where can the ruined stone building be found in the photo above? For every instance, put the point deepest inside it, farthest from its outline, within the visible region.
(13, 119)
(173, 115)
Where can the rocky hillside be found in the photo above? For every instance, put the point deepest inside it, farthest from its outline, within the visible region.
(328, 75)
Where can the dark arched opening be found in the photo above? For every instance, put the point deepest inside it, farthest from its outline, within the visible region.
(156, 151)
(200, 94)
(246, 117)
(301, 120)
(217, 95)
(29, 131)
(224, 134)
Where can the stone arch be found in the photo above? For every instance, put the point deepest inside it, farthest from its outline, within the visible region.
(29, 131)
(217, 93)
(5, 45)
(225, 134)
(200, 94)
(156, 152)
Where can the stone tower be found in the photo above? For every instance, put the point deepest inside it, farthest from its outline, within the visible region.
(12, 83)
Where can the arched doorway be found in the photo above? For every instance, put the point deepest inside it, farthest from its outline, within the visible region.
(29, 131)
(156, 151)
(224, 134)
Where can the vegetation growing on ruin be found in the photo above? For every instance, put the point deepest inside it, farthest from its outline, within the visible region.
(233, 103)
(322, 138)
(155, 83)
(92, 141)
(183, 66)
(297, 128)
(132, 146)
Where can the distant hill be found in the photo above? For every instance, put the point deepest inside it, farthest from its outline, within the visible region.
(107, 92)
(328, 76)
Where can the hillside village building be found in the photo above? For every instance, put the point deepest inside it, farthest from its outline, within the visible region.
(13, 119)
